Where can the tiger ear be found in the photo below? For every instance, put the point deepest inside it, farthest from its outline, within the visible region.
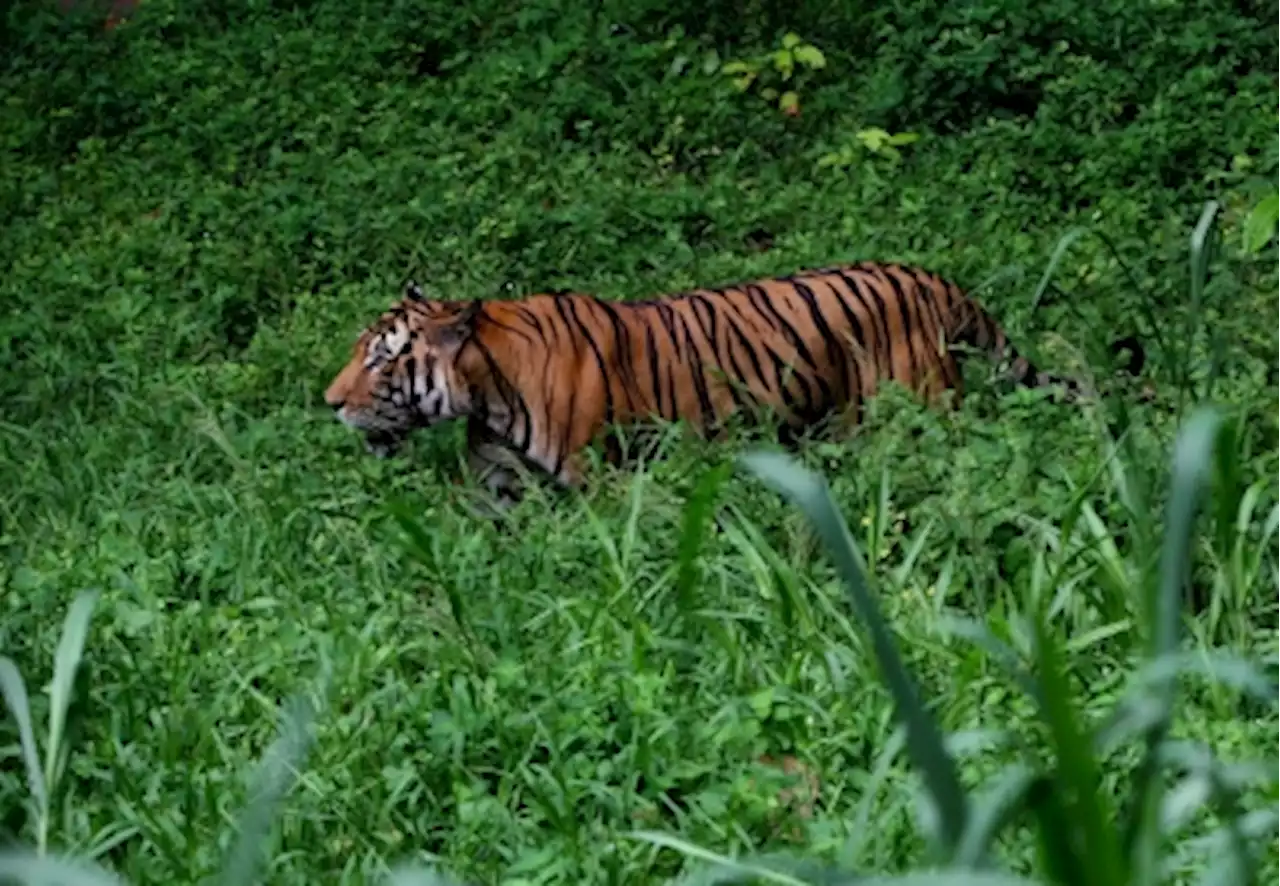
(460, 327)
(413, 291)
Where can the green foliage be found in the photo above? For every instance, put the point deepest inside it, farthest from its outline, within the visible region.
(204, 205)
(1260, 226)
(874, 141)
(771, 72)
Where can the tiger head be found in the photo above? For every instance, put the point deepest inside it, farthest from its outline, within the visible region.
(403, 373)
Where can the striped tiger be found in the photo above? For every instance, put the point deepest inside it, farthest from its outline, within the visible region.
(540, 378)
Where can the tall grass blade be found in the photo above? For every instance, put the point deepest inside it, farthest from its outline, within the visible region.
(66, 661)
(25, 867)
(1055, 837)
(1059, 253)
(418, 543)
(1001, 653)
(1144, 304)
(747, 871)
(690, 850)
(1200, 255)
(992, 812)
(1192, 466)
(276, 774)
(1131, 718)
(949, 878)
(862, 825)
(924, 740)
(1217, 667)
(693, 533)
(416, 876)
(15, 698)
(1077, 780)
(1193, 461)
(75, 630)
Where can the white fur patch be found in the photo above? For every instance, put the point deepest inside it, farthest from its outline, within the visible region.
(395, 340)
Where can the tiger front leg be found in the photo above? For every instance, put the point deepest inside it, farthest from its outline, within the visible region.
(495, 467)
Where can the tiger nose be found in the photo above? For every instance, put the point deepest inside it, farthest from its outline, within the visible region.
(334, 398)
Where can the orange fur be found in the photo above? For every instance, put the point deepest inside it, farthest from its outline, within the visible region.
(540, 378)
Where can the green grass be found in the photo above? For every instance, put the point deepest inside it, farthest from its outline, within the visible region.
(202, 209)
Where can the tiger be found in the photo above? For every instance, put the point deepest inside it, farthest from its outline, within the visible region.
(541, 378)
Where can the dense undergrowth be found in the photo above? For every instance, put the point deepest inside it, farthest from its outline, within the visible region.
(202, 206)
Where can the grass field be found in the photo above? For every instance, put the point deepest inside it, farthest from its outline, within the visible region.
(203, 206)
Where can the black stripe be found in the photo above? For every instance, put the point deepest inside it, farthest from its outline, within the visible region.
(835, 355)
(665, 314)
(672, 396)
(623, 351)
(530, 317)
(900, 296)
(874, 313)
(852, 318)
(709, 327)
(780, 369)
(694, 366)
(609, 412)
(655, 379)
(745, 342)
(511, 398)
(788, 330)
(558, 301)
(928, 285)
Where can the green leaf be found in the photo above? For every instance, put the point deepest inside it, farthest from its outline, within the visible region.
(873, 138)
(784, 63)
(75, 630)
(15, 698)
(790, 40)
(809, 492)
(1261, 224)
(789, 102)
(810, 56)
